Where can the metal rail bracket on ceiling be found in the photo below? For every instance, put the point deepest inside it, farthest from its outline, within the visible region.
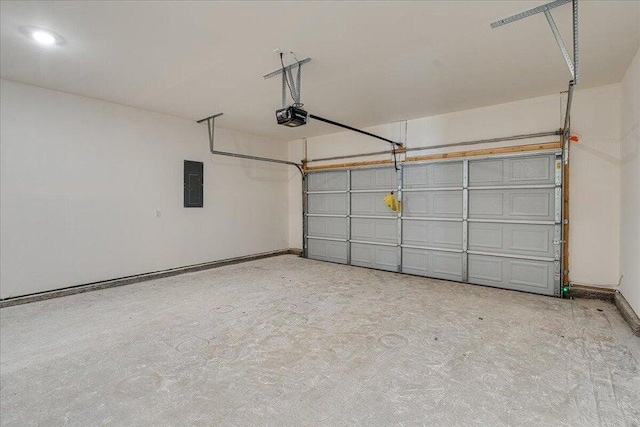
(287, 72)
(546, 9)
(211, 125)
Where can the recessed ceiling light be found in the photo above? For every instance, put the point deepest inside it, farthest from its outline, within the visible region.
(42, 36)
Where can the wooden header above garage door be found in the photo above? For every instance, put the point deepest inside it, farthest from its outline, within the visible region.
(452, 155)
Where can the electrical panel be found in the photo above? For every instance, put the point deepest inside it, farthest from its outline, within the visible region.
(193, 184)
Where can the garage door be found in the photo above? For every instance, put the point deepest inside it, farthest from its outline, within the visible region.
(491, 221)
(374, 227)
(432, 220)
(514, 223)
(327, 216)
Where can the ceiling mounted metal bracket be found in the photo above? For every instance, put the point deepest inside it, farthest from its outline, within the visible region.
(279, 70)
(287, 73)
(211, 120)
(546, 9)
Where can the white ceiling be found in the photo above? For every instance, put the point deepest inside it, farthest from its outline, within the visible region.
(373, 62)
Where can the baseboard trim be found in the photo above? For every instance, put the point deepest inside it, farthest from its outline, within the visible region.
(611, 295)
(78, 289)
(591, 292)
(627, 313)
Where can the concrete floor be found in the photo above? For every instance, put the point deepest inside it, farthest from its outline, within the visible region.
(288, 341)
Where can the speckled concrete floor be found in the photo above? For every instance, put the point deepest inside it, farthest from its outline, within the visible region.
(288, 341)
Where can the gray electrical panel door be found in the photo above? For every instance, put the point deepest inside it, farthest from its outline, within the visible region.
(193, 184)
(492, 221)
(327, 216)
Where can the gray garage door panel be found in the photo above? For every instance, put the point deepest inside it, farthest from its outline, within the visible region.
(335, 228)
(441, 265)
(432, 234)
(504, 238)
(326, 250)
(327, 203)
(435, 175)
(432, 204)
(519, 274)
(530, 170)
(371, 204)
(375, 230)
(513, 204)
(372, 179)
(374, 256)
(514, 239)
(327, 181)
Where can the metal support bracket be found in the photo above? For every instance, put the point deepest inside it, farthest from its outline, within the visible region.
(557, 241)
(279, 70)
(399, 183)
(348, 219)
(465, 220)
(558, 205)
(546, 9)
(305, 225)
(287, 75)
(211, 125)
(566, 130)
(563, 48)
(558, 171)
(557, 279)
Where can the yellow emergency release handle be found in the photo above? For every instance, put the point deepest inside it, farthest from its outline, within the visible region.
(392, 203)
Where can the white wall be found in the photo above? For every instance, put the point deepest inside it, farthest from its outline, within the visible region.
(594, 197)
(81, 180)
(595, 163)
(630, 183)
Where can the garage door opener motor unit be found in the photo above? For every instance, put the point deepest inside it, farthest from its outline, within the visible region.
(292, 116)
